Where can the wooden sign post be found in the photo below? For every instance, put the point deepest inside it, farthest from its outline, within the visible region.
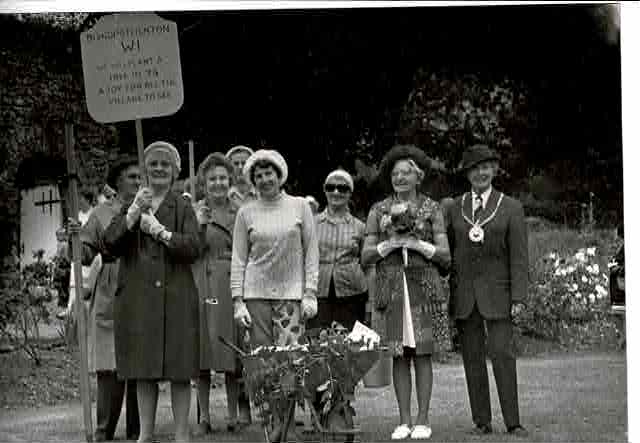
(76, 248)
(192, 172)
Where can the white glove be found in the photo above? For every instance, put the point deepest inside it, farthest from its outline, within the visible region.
(428, 249)
(308, 306)
(203, 213)
(141, 203)
(384, 248)
(149, 224)
(241, 314)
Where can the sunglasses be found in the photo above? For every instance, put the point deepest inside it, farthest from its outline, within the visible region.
(343, 189)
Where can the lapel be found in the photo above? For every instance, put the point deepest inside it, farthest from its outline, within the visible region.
(166, 211)
(492, 202)
(224, 218)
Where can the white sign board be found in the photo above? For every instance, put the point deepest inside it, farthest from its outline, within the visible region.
(131, 66)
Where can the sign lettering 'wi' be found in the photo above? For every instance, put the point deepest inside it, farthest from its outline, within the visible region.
(131, 67)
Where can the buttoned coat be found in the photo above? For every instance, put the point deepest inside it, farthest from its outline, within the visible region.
(101, 348)
(156, 302)
(211, 273)
(492, 273)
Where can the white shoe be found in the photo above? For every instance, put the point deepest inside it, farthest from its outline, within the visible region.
(421, 432)
(401, 432)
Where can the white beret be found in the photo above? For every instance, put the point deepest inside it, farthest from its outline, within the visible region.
(239, 148)
(270, 156)
(164, 147)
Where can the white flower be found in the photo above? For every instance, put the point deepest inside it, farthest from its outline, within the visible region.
(591, 251)
(580, 256)
(570, 269)
(557, 262)
(578, 295)
(596, 268)
(601, 291)
(557, 272)
(552, 255)
(584, 279)
(573, 287)
(592, 298)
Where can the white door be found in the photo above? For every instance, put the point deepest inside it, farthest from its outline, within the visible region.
(40, 217)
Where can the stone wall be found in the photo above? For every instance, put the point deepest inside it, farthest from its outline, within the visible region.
(41, 88)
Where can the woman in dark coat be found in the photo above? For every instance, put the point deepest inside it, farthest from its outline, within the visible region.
(216, 215)
(156, 307)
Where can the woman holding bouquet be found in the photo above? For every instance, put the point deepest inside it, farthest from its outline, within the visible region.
(406, 240)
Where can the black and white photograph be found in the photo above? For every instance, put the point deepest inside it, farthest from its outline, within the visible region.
(317, 221)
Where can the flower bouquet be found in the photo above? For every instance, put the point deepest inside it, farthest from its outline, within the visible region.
(402, 221)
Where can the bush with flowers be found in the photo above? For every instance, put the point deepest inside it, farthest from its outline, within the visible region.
(569, 291)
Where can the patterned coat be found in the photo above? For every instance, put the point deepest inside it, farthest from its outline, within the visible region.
(156, 306)
(423, 282)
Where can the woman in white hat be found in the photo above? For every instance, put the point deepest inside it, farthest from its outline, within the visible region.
(274, 263)
(156, 316)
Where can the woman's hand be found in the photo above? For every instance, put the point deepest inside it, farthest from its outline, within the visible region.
(203, 214)
(423, 247)
(149, 224)
(386, 247)
(143, 199)
(141, 203)
(241, 314)
(308, 305)
(73, 227)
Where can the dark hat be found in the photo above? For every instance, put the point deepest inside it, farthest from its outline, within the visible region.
(117, 167)
(402, 152)
(477, 154)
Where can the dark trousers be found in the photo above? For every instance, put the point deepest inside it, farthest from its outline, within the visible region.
(109, 403)
(344, 310)
(497, 343)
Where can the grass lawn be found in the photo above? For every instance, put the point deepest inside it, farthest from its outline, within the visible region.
(578, 397)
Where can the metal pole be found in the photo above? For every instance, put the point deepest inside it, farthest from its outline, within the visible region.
(77, 270)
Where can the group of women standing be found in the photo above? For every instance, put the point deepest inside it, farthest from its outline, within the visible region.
(262, 266)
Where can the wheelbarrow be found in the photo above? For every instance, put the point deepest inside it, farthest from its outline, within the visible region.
(277, 382)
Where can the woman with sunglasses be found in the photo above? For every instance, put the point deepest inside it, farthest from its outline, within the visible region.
(342, 285)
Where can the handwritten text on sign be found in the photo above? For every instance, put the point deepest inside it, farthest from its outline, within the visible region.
(131, 65)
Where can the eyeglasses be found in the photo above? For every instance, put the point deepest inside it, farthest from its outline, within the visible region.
(342, 189)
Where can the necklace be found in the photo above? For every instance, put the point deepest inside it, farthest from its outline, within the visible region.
(476, 233)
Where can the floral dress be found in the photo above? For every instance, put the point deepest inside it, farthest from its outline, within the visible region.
(417, 316)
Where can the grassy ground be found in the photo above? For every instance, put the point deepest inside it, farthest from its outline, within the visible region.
(563, 397)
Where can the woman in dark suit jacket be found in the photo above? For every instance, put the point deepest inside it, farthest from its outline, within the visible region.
(156, 307)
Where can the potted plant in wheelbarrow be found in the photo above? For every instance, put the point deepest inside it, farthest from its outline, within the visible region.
(319, 376)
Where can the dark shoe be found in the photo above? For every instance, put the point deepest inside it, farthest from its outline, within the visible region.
(482, 429)
(100, 436)
(518, 431)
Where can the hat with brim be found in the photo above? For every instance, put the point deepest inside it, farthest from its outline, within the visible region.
(401, 152)
(475, 155)
(269, 156)
(117, 167)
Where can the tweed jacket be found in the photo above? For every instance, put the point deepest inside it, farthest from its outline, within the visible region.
(492, 273)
